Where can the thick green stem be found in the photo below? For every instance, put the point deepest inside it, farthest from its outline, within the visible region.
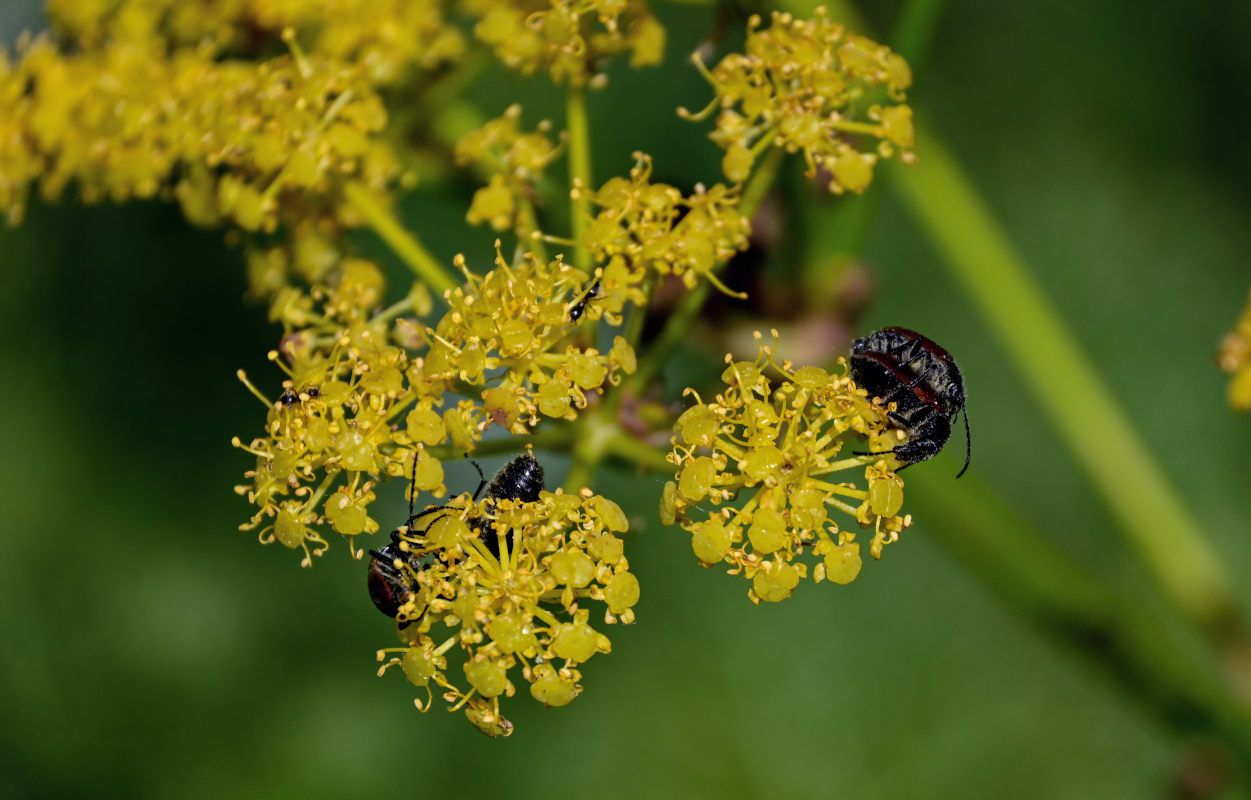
(639, 453)
(1120, 637)
(914, 30)
(405, 245)
(1081, 408)
(577, 125)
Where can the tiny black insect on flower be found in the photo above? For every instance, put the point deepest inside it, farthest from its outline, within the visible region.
(289, 398)
(924, 383)
(589, 293)
(391, 584)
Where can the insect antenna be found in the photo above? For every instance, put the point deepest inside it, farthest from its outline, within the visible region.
(968, 442)
(483, 482)
(412, 489)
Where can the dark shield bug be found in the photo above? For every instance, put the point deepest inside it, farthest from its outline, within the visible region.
(922, 380)
(391, 568)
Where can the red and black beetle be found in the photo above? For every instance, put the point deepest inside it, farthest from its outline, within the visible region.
(922, 380)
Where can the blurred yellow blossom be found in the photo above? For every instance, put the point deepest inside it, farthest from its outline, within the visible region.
(1235, 358)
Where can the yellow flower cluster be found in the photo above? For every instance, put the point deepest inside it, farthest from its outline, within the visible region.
(511, 580)
(515, 162)
(269, 116)
(384, 37)
(235, 140)
(1235, 358)
(649, 226)
(568, 38)
(346, 386)
(803, 85)
(509, 324)
(782, 440)
(363, 406)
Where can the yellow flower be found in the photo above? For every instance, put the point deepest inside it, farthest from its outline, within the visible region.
(512, 580)
(652, 227)
(1235, 358)
(767, 450)
(515, 161)
(801, 85)
(567, 39)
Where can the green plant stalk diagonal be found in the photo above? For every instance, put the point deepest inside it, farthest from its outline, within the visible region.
(401, 241)
(1079, 405)
(1058, 595)
(579, 130)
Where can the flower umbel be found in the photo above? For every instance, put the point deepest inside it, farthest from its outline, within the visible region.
(568, 39)
(515, 162)
(783, 441)
(803, 85)
(652, 228)
(291, 123)
(512, 581)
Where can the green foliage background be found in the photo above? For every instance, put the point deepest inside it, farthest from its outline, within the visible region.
(151, 649)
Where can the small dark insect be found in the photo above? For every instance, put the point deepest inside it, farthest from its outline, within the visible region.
(391, 585)
(589, 293)
(922, 379)
(289, 398)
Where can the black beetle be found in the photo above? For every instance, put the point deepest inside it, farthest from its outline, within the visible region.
(924, 383)
(391, 585)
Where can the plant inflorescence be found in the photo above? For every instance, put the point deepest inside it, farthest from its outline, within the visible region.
(293, 124)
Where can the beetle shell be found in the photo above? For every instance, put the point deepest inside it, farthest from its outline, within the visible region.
(901, 366)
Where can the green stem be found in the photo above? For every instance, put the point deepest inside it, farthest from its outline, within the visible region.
(405, 245)
(914, 30)
(687, 310)
(1080, 406)
(591, 434)
(1119, 637)
(636, 452)
(761, 182)
(672, 335)
(848, 223)
(578, 127)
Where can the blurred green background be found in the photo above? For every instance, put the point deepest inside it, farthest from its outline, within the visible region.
(149, 649)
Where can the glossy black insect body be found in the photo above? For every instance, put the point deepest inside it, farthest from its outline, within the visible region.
(579, 307)
(390, 582)
(922, 380)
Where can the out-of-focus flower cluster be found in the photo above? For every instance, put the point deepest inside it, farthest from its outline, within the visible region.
(1235, 358)
(385, 37)
(149, 97)
(804, 85)
(511, 580)
(652, 227)
(568, 38)
(515, 162)
(783, 442)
